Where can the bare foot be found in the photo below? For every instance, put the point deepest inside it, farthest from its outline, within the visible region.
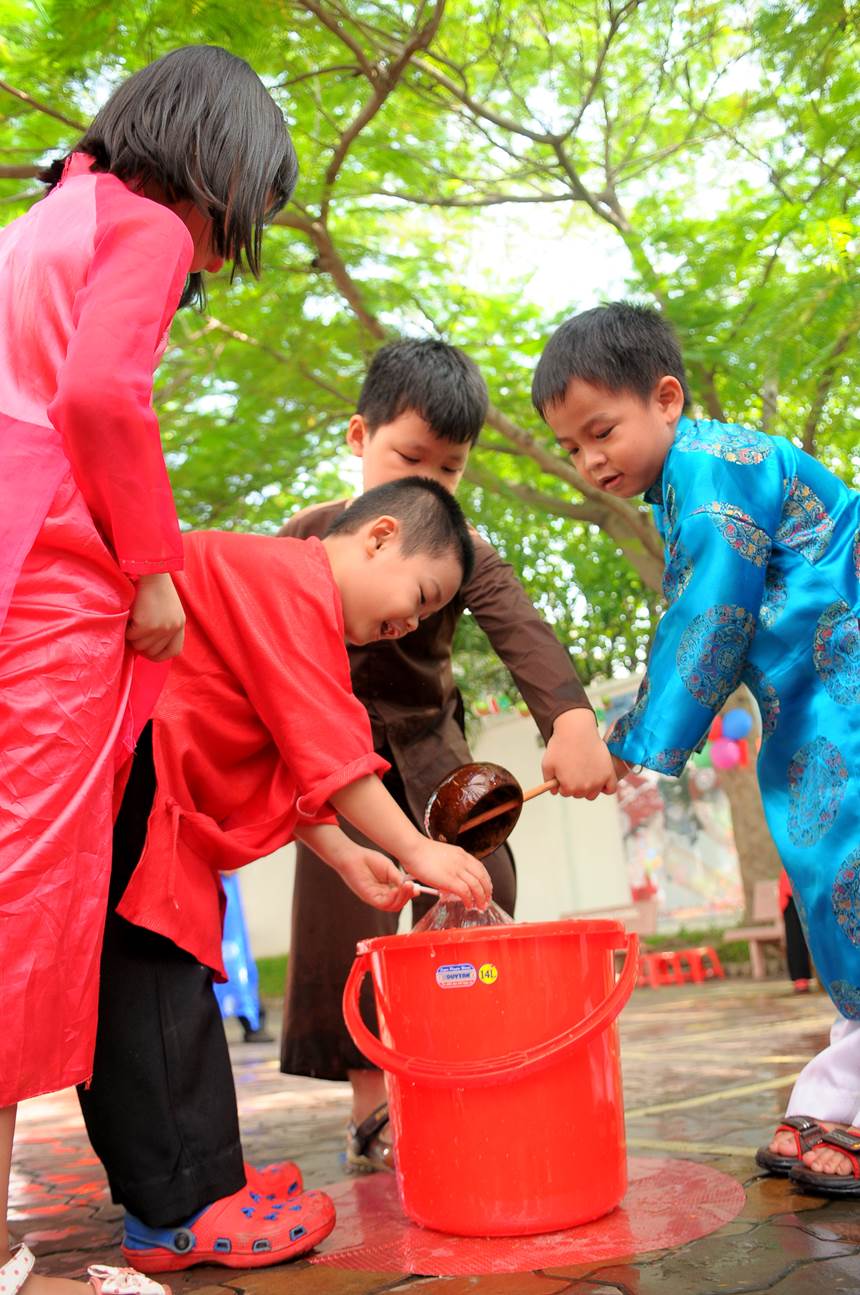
(368, 1092)
(785, 1144)
(829, 1160)
(38, 1284)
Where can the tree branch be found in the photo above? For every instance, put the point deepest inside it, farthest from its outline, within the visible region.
(320, 71)
(339, 30)
(708, 390)
(628, 523)
(384, 81)
(824, 386)
(536, 499)
(488, 200)
(616, 19)
(19, 172)
(648, 567)
(348, 401)
(41, 107)
(480, 109)
(636, 522)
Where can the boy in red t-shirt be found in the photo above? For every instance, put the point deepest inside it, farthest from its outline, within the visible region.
(257, 738)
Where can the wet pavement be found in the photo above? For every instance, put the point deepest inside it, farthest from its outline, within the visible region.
(707, 1071)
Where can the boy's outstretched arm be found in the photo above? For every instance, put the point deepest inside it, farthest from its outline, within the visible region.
(368, 806)
(368, 873)
(578, 757)
(575, 753)
(721, 516)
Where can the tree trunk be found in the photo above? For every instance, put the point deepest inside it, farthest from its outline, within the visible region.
(757, 853)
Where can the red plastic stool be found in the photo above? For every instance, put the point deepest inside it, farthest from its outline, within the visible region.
(662, 968)
(703, 963)
(678, 966)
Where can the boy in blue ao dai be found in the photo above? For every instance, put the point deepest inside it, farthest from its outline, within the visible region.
(762, 585)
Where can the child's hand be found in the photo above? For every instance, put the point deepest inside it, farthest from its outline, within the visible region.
(375, 879)
(370, 875)
(578, 757)
(451, 870)
(156, 623)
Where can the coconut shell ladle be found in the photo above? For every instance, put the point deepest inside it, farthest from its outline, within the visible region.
(477, 806)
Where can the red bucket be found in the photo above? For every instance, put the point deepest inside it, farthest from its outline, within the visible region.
(500, 1047)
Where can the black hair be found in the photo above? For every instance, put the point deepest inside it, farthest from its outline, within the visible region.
(436, 381)
(431, 519)
(622, 346)
(201, 124)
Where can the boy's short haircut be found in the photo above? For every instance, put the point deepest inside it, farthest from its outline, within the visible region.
(430, 378)
(622, 347)
(432, 521)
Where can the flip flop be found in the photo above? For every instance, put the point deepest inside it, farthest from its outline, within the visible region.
(848, 1142)
(807, 1133)
(106, 1280)
(245, 1230)
(365, 1150)
(16, 1270)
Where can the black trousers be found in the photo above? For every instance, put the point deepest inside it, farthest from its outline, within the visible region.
(796, 948)
(160, 1109)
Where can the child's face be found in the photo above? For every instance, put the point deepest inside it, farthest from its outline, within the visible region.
(406, 447)
(384, 594)
(615, 439)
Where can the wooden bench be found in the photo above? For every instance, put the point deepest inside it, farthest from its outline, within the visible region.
(771, 928)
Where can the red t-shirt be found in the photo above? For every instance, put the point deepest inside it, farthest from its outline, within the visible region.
(256, 726)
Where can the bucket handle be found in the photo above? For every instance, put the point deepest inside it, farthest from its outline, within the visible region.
(496, 1070)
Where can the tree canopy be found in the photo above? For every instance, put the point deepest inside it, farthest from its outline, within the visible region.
(706, 154)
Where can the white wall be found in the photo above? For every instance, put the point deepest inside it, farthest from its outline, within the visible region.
(569, 853)
(267, 895)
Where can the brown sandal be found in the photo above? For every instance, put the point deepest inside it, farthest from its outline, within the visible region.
(365, 1150)
(807, 1133)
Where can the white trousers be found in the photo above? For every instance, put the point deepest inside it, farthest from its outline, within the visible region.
(828, 1087)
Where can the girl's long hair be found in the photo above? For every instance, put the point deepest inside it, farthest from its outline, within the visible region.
(200, 123)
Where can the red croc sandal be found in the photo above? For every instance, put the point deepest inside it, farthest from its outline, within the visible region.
(246, 1230)
(283, 1179)
(807, 1133)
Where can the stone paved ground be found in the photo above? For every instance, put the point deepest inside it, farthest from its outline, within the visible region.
(707, 1070)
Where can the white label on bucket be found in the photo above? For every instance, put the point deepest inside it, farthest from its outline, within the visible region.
(456, 975)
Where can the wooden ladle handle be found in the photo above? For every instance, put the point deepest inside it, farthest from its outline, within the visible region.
(507, 805)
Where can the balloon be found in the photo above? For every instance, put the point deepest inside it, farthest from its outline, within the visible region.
(702, 759)
(716, 730)
(725, 753)
(736, 724)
